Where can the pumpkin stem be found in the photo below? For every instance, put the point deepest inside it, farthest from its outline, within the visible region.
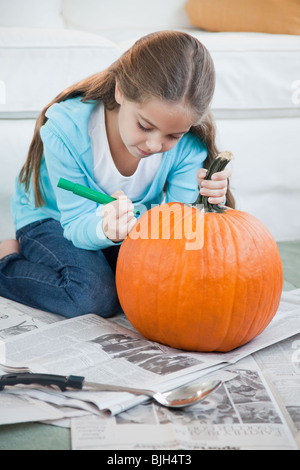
(218, 164)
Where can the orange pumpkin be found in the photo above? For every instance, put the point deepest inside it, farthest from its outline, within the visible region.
(199, 281)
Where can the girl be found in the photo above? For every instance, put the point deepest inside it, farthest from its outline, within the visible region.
(140, 126)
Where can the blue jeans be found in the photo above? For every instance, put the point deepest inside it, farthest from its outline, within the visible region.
(51, 274)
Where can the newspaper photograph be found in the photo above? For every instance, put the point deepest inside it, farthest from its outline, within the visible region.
(16, 318)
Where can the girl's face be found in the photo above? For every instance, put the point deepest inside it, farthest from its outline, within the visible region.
(151, 127)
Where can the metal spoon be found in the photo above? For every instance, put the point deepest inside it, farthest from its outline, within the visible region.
(177, 398)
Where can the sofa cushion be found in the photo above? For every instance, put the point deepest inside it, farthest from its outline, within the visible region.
(103, 15)
(267, 16)
(257, 74)
(31, 14)
(37, 64)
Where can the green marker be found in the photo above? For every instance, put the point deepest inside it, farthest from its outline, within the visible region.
(88, 193)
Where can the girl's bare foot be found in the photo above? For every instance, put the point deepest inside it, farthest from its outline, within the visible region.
(7, 247)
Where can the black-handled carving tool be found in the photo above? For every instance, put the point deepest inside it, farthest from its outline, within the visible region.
(185, 395)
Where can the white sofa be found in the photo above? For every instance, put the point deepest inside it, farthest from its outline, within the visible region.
(47, 45)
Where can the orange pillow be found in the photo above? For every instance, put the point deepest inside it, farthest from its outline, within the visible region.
(265, 16)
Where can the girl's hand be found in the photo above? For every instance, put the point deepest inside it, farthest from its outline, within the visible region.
(117, 217)
(215, 188)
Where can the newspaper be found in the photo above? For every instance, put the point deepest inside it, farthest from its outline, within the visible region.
(103, 351)
(257, 409)
(111, 351)
(16, 318)
(23, 409)
(240, 415)
(280, 366)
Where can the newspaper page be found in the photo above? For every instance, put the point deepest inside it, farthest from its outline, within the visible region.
(281, 368)
(107, 351)
(103, 351)
(242, 414)
(24, 409)
(16, 318)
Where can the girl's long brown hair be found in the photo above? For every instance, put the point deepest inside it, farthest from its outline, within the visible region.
(168, 65)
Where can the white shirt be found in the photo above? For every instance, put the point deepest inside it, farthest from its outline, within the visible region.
(106, 173)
